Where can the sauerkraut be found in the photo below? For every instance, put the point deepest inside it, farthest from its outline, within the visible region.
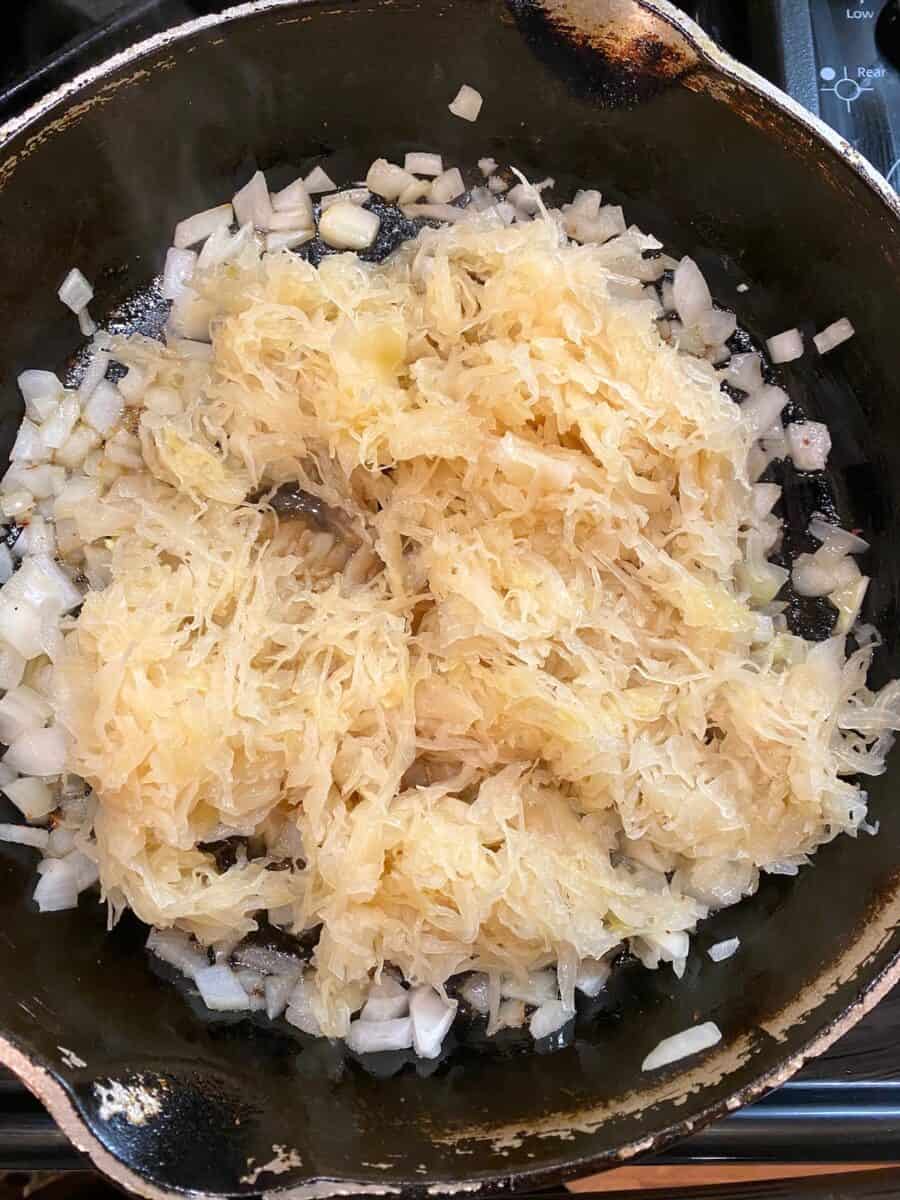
(511, 692)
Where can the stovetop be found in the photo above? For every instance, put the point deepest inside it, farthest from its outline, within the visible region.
(838, 57)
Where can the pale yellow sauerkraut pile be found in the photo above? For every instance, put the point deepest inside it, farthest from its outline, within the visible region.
(510, 707)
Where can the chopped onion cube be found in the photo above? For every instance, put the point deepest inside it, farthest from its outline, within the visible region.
(419, 163)
(346, 226)
(292, 219)
(537, 988)
(86, 323)
(41, 391)
(133, 384)
(476, 992)
(690, 291)
(87, 873)
(22, 709)
(812, 577)
(202, 225)
(252, 204)
(838, 541)
(278, 990)
(220, 988)
(487, 166)
(388, 180)
(104, 409)
(744, 371)
(467, 103)
(289, 239)
(30, 445)
(39, 752)
(57, 888)
(75, 291)
(592, 976)
(763, 408)
(358, 195)
(57, 429)
(369, 1037)
(785, 347)
(722, 950)
(436, 212)
(808, 445)
(25, 836)
(549, 1018)
(417, 190)
(178, 950)
(432, 1016)
(716, 327)
(62, 840)
(681, 1045)
(387, 1000)
(177, 272)
(448, 186)
(318, 181)
(848, 600)
(21, 627)
(294, 198)
(223, 246)
(12, 664)
(833, 335)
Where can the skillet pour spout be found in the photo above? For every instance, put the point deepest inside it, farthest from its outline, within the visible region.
(626, 96)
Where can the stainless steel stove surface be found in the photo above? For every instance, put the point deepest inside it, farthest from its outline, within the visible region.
(841, 58)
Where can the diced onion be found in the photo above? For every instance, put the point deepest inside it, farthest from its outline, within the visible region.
(278, 989)
(39, 752)
(21, 627)
(23, 835)
(41, 391)
(357, 195)
(57, 888)
(22, 709)
(475, 991)
(252, 204)
(291, 219)
(691, 293)
(763, 408)
(536, 988)
(346, 226)
(177, 272)
(839, 541)
(448, 186)
(75, 291)
(12, 664)
(785, 347)
(219, 987)
(436, 212)
(419, 163)
(715, 327)
(549, 1018)
(833, 335)
(592, 976)
(808, 445)
(294, 198)
(178, 950)
(370, 1037)
(387, 1000)
(318, 181)
(388, 180)
(30, 446)
(813, 577)
(681, 1045)
(467, 103)
(57, 429)
(744, 371)
(289, 239)
(725, 949)
(487, 166)
(432, 1016)
(104, 409)
(202, 225)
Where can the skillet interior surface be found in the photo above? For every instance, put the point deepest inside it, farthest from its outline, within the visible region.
(192, 1101)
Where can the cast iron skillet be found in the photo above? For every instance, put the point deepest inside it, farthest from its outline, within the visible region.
(619, 94)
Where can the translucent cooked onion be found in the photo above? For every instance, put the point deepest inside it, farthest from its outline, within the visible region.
(682, 1045)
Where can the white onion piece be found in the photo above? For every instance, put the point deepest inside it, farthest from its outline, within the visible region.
(190, 317)
(839, 541)
(813, 578)
(549, 1018)
(681, 1045)
(387, 1000)
(42, 583)
(87, 873)
(30, 445)
(252, 203)
(833, 335)
(536, 988)
(357, 195)
(178, 950)
(300, 1011)
(475, 991)
(785, 347)
(202, 225)
(293, 198)
(725, 949)
(86, 323)
(691, 294)
(419, 163)
(418, 190)
(16, 502)
(487, 166)
(808, 445)
(467, 103)
(43, 482)
(510, 1015)
(745, 372)
(370, 1037)
(288, 239)
(39, 752)
(21, 627)
(318, 181)
(848, 600)
(765, 497)
(254, 985)
(448, 186)
(75, 291)
(12, 665)
(41, 391)
(388, 180)
(223, 246)
(57, 888)
(62, 840)
(436, 212)
(763, 408)
(25, 836)
(133, 384)
(57, 429)
(22, 709)
(592, 976)
(432, 1016)
(716, 327)
(291, 219)
(7, 775)
(607, 224)
(497, 184)
(220, 989)
(177, 272)
(346, 226)
(278, 990)
(6, 570)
